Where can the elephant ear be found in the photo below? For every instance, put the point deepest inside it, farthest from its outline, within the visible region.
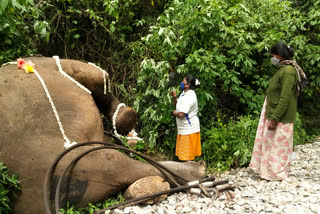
(126, 120)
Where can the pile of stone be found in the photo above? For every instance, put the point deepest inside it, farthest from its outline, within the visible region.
(299, 193)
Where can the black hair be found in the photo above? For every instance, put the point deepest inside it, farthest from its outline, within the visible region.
(192, 81)
(283, 50)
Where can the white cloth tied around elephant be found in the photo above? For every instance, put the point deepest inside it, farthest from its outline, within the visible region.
(68, 77)
(68, 143)
(9, 63)
(114, 117)
(104, 73)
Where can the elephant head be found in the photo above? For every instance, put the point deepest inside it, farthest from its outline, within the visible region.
(92, 78)
(126, 120)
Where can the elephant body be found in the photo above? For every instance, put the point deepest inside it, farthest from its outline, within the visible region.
(31, 139)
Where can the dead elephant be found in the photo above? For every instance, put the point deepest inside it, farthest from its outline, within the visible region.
(31, 138)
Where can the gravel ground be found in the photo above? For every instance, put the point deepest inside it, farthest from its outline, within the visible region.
(299, 193)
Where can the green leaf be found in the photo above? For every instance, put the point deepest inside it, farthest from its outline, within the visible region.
(3, 5)
(112, 28)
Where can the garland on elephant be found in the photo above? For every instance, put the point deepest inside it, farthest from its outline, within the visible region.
(29, 68)
(133, 133)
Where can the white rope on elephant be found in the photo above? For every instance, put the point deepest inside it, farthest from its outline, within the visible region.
(69, 77)
(67, 142)
(104, 73)
(9, 63)
(114, 117)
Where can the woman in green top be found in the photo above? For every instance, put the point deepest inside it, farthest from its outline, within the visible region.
(274, 139)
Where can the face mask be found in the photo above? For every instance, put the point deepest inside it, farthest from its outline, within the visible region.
(181, 86)
(275, 60)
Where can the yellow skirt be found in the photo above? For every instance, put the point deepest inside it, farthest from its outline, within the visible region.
(188, 146)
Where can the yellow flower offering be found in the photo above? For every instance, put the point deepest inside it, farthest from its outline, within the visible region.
(28, 69)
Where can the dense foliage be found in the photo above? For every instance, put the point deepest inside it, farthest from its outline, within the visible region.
(20, 27)
(225, 45)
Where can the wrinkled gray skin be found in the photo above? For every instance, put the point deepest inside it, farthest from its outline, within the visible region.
(31, 139)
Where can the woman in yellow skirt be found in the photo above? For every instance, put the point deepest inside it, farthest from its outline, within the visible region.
(188, 144)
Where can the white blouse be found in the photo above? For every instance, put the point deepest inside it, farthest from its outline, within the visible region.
(188, 104)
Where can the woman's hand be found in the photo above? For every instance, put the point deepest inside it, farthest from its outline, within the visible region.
(174, 113)
(174, 97)
(178, 114)
(173, 94)
(272, 125)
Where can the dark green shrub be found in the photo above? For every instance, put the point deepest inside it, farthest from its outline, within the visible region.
(230, 145)
(21, 29)
(7, 184)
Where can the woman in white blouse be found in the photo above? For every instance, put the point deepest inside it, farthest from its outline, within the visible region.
(188, 144)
